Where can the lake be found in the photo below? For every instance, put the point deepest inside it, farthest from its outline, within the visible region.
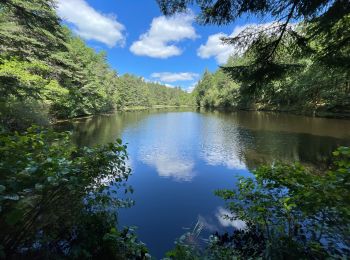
(179, 157)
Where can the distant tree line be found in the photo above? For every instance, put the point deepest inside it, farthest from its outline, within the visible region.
(135, 91)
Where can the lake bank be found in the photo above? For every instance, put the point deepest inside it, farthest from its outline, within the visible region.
(126, 109)
(321, 113)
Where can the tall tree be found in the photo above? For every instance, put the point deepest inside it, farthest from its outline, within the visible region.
(29, 28)
(326, 20)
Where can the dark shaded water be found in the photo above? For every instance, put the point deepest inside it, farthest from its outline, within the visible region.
(179, 158)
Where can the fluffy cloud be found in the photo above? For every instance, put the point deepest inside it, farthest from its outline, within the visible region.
(90, 24)
(214, 47)
(172, 77)
(222, 215)
(159, 41)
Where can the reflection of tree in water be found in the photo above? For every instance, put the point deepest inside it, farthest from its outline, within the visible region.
(284, 122)
(269, 147)
(236, 139)
(103, 129)
(256, 138)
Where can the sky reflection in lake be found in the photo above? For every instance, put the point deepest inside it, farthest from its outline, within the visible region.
(179, 158)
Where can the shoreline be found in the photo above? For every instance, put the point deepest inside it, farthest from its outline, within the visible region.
(125, 109)
(308, 113)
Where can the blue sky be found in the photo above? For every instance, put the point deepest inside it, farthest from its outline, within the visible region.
(139, 40)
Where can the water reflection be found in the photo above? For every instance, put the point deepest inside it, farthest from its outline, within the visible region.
(172, 141)
(179, 158)
(221, 143)
(225, 219)
(253, 138)
(162, 148)
(170, 165)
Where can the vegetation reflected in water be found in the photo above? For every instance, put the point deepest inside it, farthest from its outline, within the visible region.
(179, 157)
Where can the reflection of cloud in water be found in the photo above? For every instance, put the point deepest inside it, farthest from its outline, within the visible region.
(221, 145)
(166, 147)
(218, 156)
(170, 165)
(220, 221)
(237, 224)
(207, 225)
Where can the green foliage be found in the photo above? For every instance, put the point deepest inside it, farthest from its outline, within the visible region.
(226, 11)
(57, 200)
(248, 243)
(92, 84)
(301, 214)
(311, 88)
(29, 29)
(28, 79)
(183, 252)
(289, 212)
(275, 52)
(41, 59)
(134, 91)
(216, 90)
(19, 115)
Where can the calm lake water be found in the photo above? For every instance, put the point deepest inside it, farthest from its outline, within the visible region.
(179, 158)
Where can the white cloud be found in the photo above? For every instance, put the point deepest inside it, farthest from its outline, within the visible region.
(171, 165)
(159, 41)
(90, 24)
(214, 47)
(167, 85)
(172, 77)
(226, 219)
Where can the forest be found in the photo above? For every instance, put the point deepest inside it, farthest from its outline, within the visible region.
(59, 200)
(47, 70)
(307, 73)
(305, 91)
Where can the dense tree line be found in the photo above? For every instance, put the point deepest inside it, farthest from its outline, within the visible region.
(299, 61)
(135, 91)
(216, 90)
(312, 88)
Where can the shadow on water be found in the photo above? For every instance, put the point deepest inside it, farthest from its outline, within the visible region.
(180, 157)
